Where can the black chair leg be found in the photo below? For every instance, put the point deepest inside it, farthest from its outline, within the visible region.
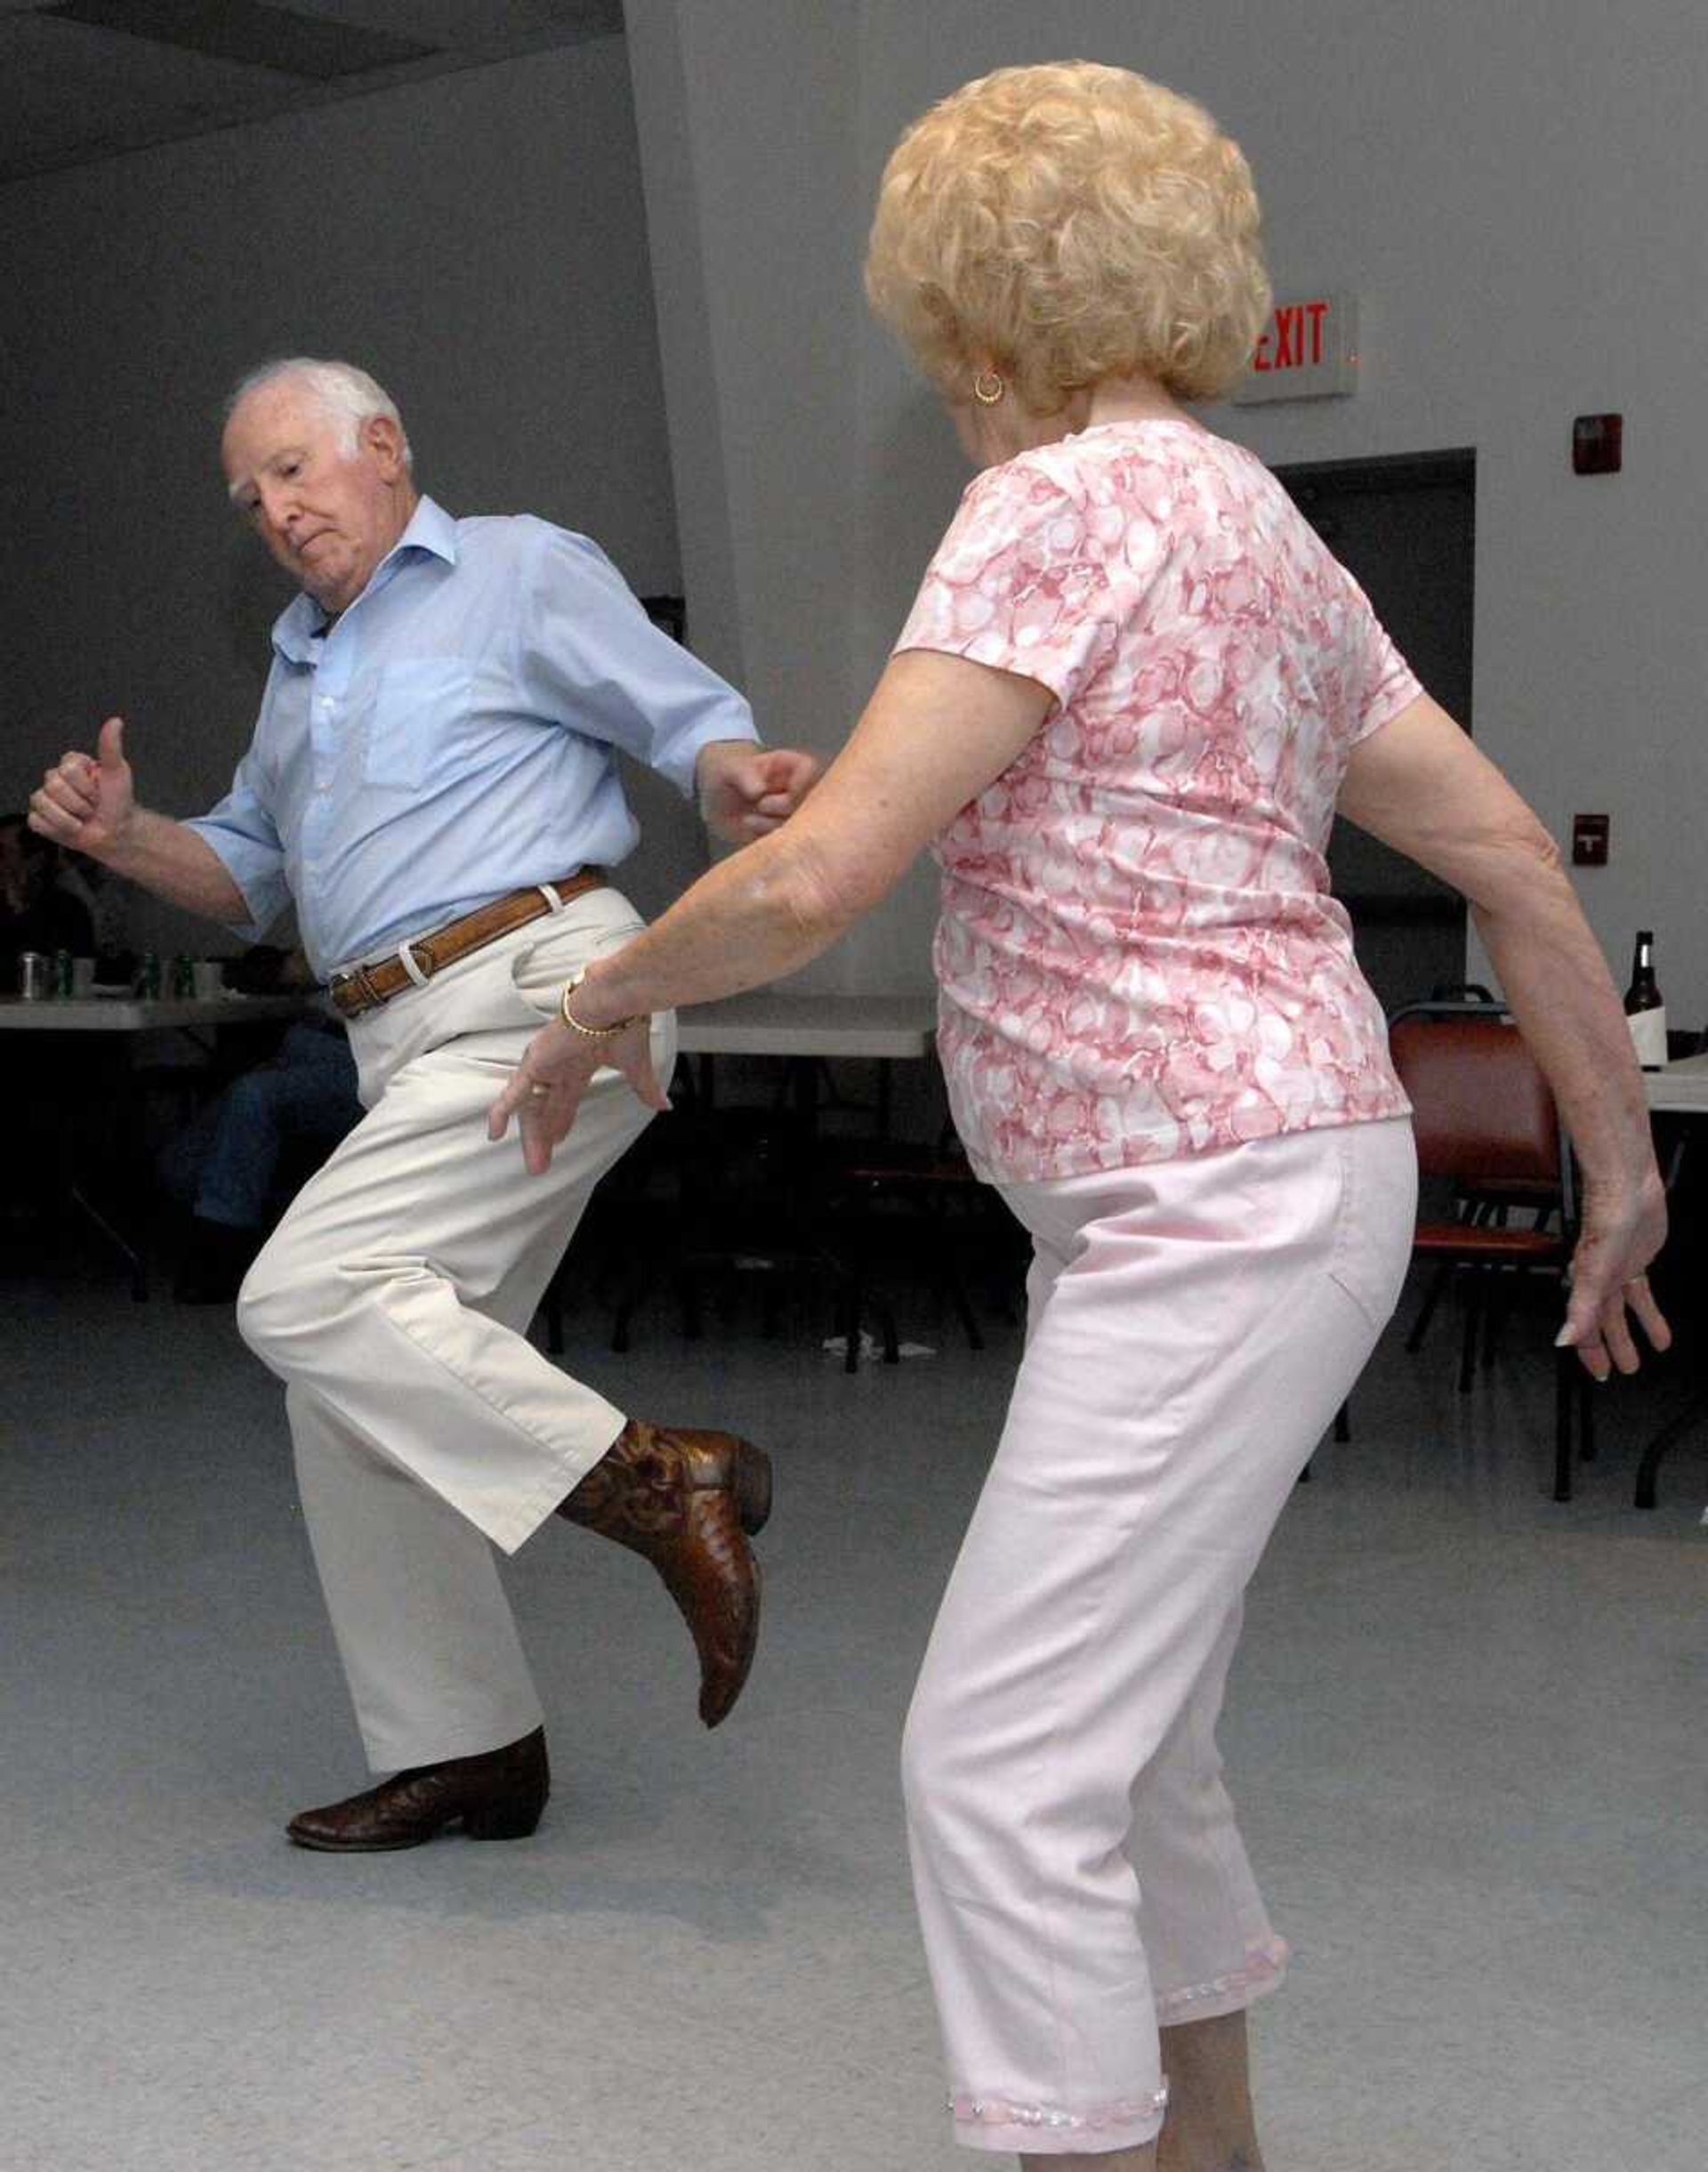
(1655, 1454)
(1494, 1316)
(1420, 1326)
(852, 1307)
(636, 1288)
(962, 1305)
(551, 1307)
(1473, 1321)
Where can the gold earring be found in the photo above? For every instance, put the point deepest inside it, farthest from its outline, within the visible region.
(987, 388)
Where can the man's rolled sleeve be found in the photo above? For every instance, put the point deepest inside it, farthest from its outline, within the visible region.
(240, 831)
(596, 659)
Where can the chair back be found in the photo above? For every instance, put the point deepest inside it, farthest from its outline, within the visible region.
(1482, 1111)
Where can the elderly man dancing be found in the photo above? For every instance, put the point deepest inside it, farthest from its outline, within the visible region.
(432, 780)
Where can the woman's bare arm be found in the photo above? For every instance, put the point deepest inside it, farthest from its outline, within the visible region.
(1421, 785)
(936, 730)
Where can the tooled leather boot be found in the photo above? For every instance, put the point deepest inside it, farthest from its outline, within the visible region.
(683, 1499)
(496, 1796)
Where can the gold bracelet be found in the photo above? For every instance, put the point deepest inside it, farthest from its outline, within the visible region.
(591, 1033)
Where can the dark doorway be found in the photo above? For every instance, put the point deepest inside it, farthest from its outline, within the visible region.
(1405, 529)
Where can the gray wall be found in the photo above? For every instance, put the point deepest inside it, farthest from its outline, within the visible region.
(1516, 195)
(478, 241)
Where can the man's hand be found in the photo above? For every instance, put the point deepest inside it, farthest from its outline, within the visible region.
(86, 801)
(747, 790)
(546, 1089)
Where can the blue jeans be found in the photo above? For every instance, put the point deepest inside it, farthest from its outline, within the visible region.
(224, 1166)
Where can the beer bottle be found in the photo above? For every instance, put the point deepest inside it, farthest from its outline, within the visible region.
(1644, 1007)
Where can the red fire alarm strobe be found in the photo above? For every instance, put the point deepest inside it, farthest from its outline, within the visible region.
(1597, 444)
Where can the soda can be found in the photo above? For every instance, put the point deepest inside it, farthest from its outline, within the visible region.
(62, 972)
(35, 975)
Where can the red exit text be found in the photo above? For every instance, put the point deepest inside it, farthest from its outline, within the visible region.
(1295, 337)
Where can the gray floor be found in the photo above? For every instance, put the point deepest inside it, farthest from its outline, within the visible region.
(1466, 1728)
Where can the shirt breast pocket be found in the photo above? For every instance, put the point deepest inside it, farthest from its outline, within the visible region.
(421, 709)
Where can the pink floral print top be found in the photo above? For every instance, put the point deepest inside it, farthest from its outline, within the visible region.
(1138, 954)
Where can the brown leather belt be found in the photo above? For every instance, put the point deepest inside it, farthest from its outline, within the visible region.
(367, 987)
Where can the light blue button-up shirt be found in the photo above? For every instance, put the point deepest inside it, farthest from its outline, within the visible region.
(452, 734)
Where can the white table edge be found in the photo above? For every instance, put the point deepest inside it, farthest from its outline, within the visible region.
(1680, 1089)
(764, 1024)
(142, 1014)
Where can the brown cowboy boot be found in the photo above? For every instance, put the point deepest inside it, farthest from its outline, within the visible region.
(498, 1796)
(682, 1499)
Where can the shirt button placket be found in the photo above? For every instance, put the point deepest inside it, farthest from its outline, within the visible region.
(326, 708)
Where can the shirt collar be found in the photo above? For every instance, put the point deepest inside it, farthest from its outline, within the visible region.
(431, 533)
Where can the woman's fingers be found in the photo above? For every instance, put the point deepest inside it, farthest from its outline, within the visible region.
(1616, 1339)
(1601, 1333)
(506, 1105)
(1633, 1298)
(1649, 1316)
(544, 1096)
(631, 1053)
(547, 1119)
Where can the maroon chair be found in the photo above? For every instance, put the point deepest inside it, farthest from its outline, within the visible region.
(1489, 1132)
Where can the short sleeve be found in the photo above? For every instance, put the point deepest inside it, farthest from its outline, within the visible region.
(1382, 683)
(1028, 579)
(589, 654)
(240, 831)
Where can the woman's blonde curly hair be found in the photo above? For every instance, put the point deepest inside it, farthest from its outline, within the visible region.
(1068, 223)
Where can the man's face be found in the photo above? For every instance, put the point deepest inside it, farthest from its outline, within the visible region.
(329, 517)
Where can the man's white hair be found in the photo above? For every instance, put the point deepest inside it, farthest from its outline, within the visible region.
(345, 395)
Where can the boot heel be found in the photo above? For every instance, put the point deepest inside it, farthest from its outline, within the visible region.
(502, 1822)
(751, 1483)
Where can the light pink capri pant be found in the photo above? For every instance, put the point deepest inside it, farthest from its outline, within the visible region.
(1192, 1327)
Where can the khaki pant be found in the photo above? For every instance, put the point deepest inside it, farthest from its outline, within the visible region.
(393, 1302)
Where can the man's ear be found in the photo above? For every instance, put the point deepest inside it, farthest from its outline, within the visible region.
(384, 439)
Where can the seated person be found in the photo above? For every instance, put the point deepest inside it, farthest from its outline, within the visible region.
(226, 1165)
(36, 913)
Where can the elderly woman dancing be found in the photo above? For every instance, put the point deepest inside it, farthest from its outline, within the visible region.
(1131, 693)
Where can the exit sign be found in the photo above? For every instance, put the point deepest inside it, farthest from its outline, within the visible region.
(1309, 350)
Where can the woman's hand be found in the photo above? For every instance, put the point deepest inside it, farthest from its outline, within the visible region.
(1622, 1231)
(546, 1089)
